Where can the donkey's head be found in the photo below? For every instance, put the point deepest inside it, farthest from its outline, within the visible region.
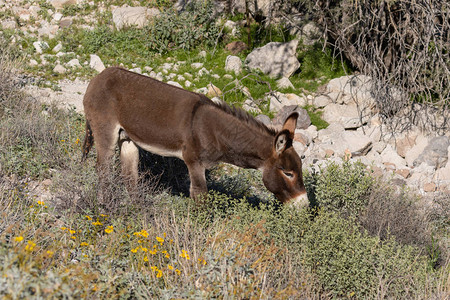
(282, 172)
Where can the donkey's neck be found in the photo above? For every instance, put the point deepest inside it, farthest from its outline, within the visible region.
(243, 144)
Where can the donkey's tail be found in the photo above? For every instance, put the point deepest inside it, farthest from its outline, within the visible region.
(88, 141)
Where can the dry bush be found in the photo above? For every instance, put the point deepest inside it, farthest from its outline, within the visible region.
(391, 213)
(403, 46)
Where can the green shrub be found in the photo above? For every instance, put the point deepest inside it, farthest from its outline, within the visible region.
(350, 263)
(185, 30)
(342, 188)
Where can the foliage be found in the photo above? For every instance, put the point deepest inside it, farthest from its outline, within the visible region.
(349, 263)
(185, 30)
(342, 188)
(406, 65)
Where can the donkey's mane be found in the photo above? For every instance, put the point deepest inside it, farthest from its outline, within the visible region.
(243, 116)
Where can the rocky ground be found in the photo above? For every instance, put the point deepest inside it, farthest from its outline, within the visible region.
(415, 159)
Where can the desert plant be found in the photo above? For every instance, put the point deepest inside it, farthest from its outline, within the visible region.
(343, 188)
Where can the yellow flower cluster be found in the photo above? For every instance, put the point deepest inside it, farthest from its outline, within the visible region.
(184, 254)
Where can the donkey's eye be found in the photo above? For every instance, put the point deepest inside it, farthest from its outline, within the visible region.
(288, 174)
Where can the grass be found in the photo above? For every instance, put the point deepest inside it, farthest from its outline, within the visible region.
(63, 242)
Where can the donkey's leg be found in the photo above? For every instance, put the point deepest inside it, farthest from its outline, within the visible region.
(198, 187)
(129, 160)
(106, 138)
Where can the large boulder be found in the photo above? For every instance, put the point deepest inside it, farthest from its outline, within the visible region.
(436, 153)
(275, 59)
(349, 116)
(126, 16)
(351, 89)
(303, 120)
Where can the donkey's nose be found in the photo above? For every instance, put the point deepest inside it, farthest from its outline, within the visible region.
(300, 201)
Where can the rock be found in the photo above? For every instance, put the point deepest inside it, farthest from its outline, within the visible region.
(236, 47)
(136, 70)
(296, 99)
(202, 72)
(284, 83)
(389, 155)
(138, 16)
(300, 148)
(174, 83)
(353, 88)
(413, 153)
(264, 119)
(310, 34)
(96, 63)
(303, 120)
(231, 26)
(213, 91)
(403, 172)
(57, 16)
(59, 69)
(429, 187)
(197, 65)
(57, 48)
(48, 30)
(58, 4)
(278, 100)
(344, 142)
(321, 101)
(40, 46)
(9, 24)
(275, 59)
(33, 63)
(233, 64)
(347, 115)
(65, 22)
(405, 144)
(251, 106)
(301, 137)
(435, 153)
(74, 63)
(443, 173)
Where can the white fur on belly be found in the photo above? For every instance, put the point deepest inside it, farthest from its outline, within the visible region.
(160, 151)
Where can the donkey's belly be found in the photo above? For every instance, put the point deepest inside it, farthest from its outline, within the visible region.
(156, 149)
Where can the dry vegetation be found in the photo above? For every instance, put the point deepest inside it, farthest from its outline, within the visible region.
(161, 245)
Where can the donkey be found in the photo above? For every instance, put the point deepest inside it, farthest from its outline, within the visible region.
(132, 110)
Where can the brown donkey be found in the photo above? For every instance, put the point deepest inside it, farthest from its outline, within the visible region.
(133, 110)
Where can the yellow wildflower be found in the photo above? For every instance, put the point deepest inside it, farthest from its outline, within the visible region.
(97, 223)
(77, 141)
(84, 244)
(159, 274)
(145, 258)
(50, 253)
(154, 268)
(144, 249)
(178, 271)
(30, 246)
(72, 231)
(73, 237)
(160, 240)
(185, 254)
(109, 229)
(202, 261)
(18, 238)
(41, 203)
(63, 228)
(170, 267)
(88, 218)
(134, 250)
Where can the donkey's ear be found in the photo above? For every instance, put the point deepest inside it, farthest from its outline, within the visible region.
(282, 141)
(291, 123)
